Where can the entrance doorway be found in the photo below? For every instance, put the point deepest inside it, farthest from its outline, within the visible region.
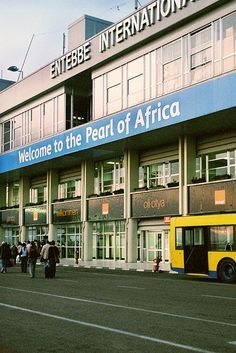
(109, 240)
(153, 244)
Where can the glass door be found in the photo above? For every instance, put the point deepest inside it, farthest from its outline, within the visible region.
(154, 245)
(195, 251)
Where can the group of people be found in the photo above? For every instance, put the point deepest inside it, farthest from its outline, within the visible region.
(28, 254)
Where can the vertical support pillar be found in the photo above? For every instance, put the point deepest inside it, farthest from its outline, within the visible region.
(187, 157)
(52, 187)
(87, 181)
(2, 204)
(24, 188)
(131, 162)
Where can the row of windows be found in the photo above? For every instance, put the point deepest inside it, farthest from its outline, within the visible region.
(46, 119)
(197, 56)
(41, 121)
(109, 177)
(216, 165)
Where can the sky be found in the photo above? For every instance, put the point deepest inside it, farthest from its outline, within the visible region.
(37, 26)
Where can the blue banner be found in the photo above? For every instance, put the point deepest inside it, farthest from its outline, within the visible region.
(196, 101)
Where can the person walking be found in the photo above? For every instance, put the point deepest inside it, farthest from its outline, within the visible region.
(24, 258)
(33, 254)
(44, 258)
(53, 258)
(5, 255)
(14, 253)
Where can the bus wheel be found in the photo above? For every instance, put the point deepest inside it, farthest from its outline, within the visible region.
(227, 271)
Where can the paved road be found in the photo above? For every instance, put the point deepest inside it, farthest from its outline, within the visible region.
(97, 311)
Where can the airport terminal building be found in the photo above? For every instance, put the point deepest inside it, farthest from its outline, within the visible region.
(133, 125)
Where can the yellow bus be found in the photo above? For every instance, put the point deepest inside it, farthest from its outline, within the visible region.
(204, 245)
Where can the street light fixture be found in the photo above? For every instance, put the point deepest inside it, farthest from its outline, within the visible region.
(15, 69)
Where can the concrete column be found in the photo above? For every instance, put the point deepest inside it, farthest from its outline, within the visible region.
(131, 162)
(2, 204)
(87, 182)
(187, 157)
(88, 241)
(52, 194)
(132, 229)
(24, 187)
(52, 232)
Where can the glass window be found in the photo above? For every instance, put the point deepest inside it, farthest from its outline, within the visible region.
(47, 118)
(135, 85)
(179, 238)
(142, 182)
(38, 194)
(6, 136)
(223, 237)
(108, 176)
(59, 114)
(217, 165)
(172, 66)
(70, 241)
(17, 133)
(201, 55)
(155, 174)
(198, 236)
(229, 42)
(69, 189)
(35, 123)
(26, 123)
(98, 97)
(232, 163)
(114, 102)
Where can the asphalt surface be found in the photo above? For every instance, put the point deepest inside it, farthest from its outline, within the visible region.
(110, 311)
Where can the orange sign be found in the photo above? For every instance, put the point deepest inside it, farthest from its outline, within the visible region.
(35, 216)
(105, 208)
(219, 197)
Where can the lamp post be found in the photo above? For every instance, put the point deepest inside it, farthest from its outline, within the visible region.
(16, 69)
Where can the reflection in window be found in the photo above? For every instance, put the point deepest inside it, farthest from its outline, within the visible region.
(17, 133)
(35, 126)
(47, 118)
(6, 136)
(217, 165)
(172, 70)
(70, 241)
(223, 237)
(158, 174)
(69, 189)
(109, 240)
(114, 92)
(201, 55)
(12, 194)
(229, 42)
(38, 194)
(109, 176)
(135, 84)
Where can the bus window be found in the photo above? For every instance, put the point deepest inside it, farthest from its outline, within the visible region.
(188, 237)
(221, 237)
(179, 238)
(198, 236)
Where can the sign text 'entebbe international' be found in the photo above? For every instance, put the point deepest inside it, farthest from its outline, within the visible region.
(145, 17)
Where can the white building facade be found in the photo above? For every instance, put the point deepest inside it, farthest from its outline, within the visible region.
(130, 127)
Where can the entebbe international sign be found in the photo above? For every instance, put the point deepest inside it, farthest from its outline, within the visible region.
(145, 17)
